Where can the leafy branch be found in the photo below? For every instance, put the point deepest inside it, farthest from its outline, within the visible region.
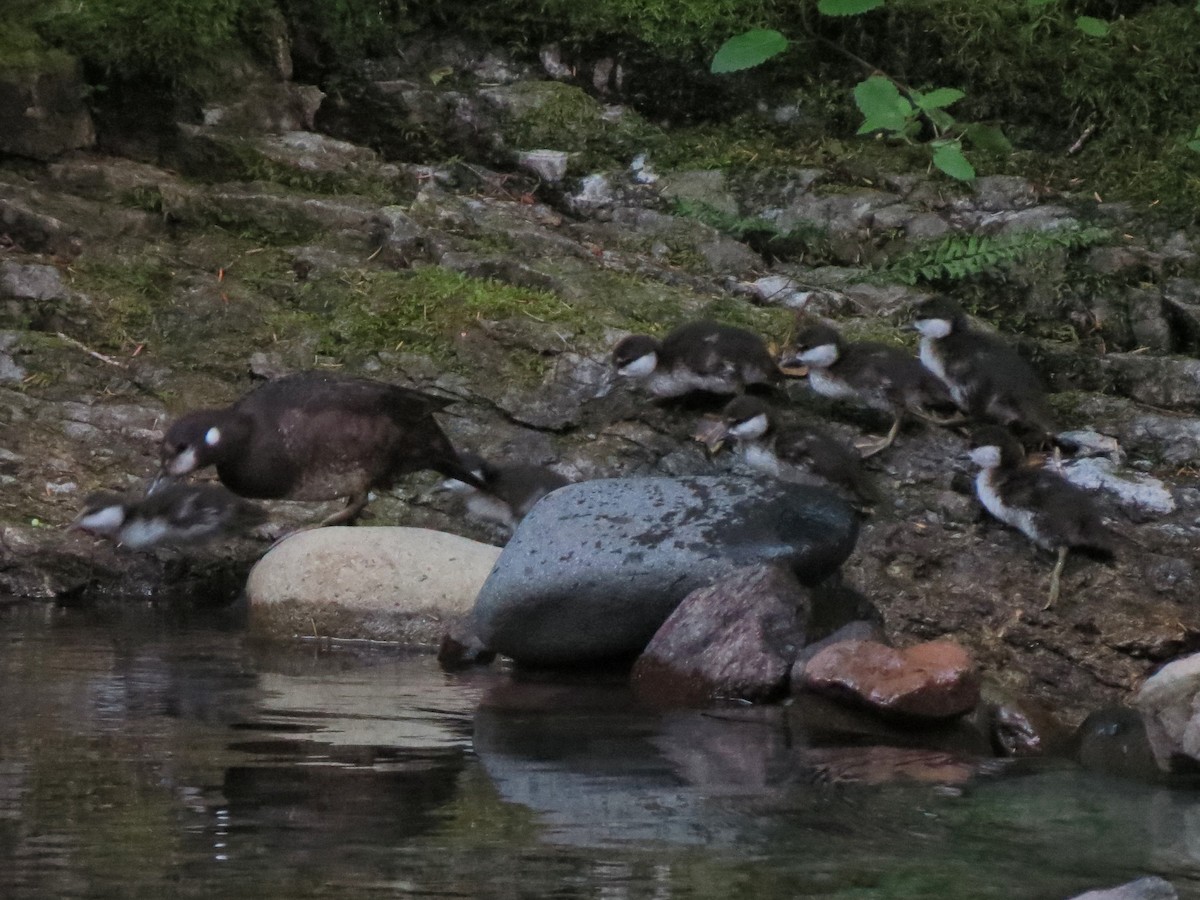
(889, 107)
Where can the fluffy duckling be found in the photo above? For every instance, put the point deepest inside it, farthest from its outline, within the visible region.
(508, 492)
(796, 453)
(880, 377)
(986, 378)
(1053, 513)
(173, 514)
(696, 357)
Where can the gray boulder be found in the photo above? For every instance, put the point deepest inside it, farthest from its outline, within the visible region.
(1169, 702)
(596, 567)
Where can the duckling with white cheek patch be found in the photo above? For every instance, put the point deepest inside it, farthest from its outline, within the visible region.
(699, 357)
(1053, 513)
(797, 453)
(509, 490)
(182, 514)
(986, 378)
(880, 377)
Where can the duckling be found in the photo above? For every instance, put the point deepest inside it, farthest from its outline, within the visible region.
(1053, 513)
(880, 377)
(792, 453)
(696, 357)
(173, 514)
(509, 491)
(986, 378)
(315, 436)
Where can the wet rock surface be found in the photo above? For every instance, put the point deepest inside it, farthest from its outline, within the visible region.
(934, 680)
(130, 292)
(597, 567)
(1168, 703)
(734, 639)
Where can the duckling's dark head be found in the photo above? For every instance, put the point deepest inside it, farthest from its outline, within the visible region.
(938, 317)
(196, 440)
(745, 418)
(817, 345)
(636, 356)
(993, 446)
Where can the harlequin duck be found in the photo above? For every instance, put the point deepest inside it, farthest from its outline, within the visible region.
(880, 377)
(1045, 507)
(173, 514)
(986, 377)
(315, 436)
(509, 490)
(793, 452)
(696, 357)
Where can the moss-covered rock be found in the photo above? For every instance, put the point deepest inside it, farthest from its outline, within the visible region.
(42, 113)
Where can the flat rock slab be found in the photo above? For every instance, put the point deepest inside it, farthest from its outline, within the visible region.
(406, 585)
(596, 567)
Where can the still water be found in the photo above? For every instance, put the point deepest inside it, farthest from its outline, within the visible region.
(157, 753)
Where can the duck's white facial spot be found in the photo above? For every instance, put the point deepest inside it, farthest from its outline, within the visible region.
(640, 367)
(212, 437)
(987, 457)
(819, 357)
(103, 521)
(933, 328)
(182, 463)
(751, 428)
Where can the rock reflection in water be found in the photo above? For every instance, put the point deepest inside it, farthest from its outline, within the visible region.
(599, 768)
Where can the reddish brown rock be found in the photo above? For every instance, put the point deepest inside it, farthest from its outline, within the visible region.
(736, 638)
(935, 680)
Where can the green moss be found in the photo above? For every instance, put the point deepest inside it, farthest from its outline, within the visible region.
(423, 310)
(563, 117)
(128, 295)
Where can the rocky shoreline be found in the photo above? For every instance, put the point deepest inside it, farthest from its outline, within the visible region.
(246, 244)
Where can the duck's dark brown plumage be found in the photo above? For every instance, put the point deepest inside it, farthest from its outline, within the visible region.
(316, 436)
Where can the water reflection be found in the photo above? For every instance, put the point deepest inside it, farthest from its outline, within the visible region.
(148, 754)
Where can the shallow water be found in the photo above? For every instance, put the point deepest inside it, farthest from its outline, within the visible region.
(151, 753)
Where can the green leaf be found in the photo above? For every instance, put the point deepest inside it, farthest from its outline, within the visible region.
(744, 51)
(879, 101)
(989, 139)
(847, 7)
(1091, 26)
(949, 158)
(937, 98)
(941, 119)
(1193, 145)
(1038, 4)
